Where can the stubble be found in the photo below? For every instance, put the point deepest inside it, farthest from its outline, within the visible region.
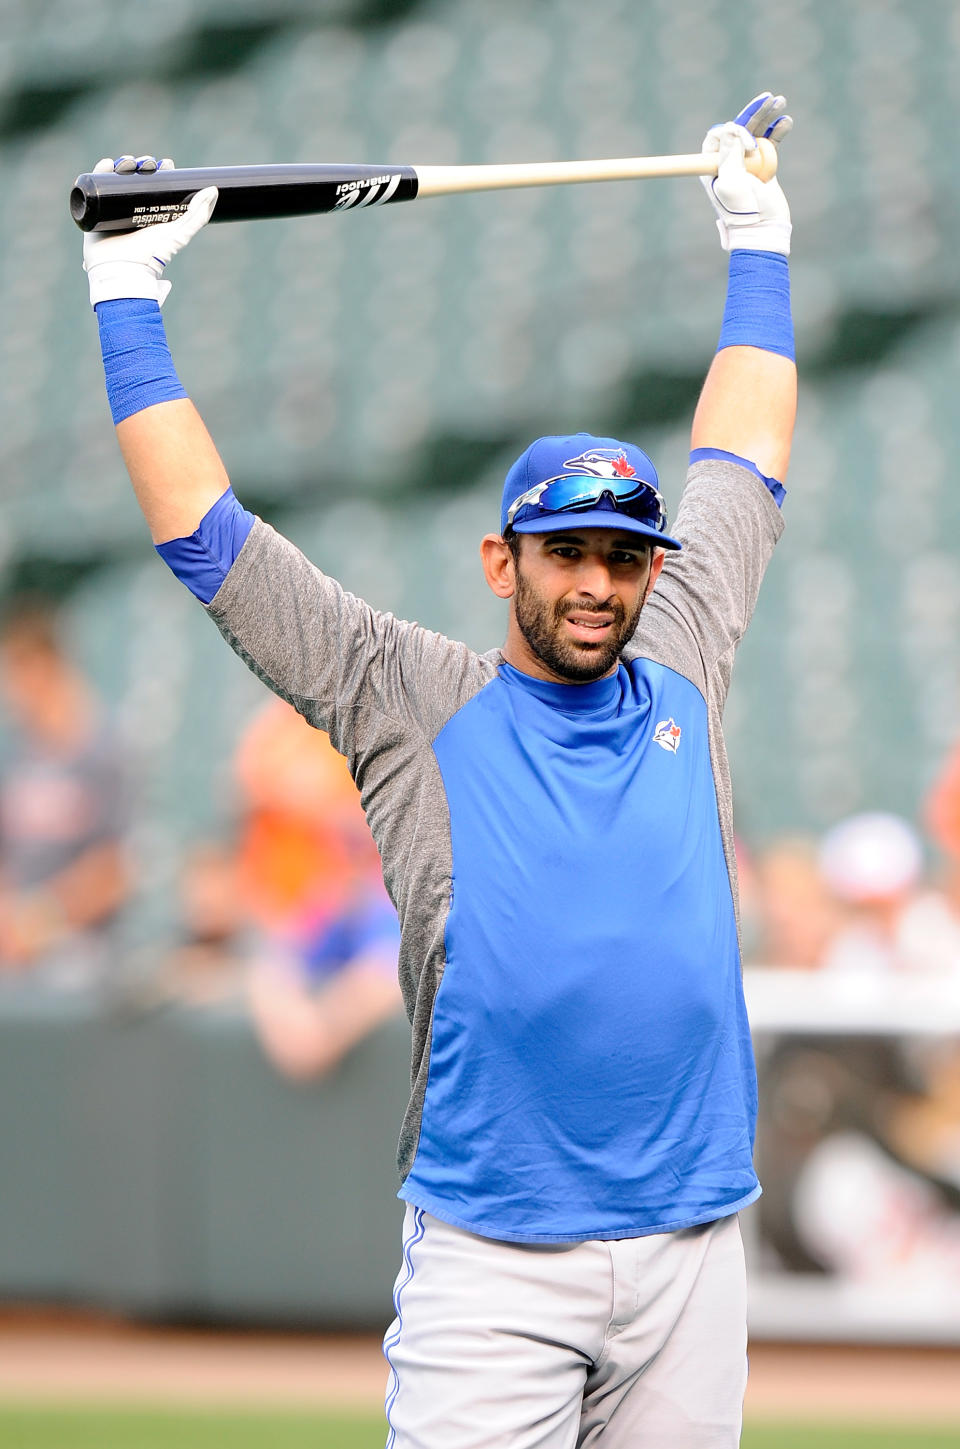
(541, 625)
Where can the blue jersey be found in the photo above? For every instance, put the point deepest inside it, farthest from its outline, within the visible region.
(561, 859)
(590, 1069)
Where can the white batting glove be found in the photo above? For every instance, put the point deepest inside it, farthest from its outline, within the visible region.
(751, 214)
(131, 263)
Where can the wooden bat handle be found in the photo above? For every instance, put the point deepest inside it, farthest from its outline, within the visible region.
(450, 180)
(763, 162)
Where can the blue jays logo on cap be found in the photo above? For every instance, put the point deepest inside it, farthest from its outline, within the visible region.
(592, 482)
(602, 463)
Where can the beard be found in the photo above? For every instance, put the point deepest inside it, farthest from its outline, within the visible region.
(541, 625)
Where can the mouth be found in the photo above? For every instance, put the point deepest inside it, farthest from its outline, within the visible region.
(589, 628)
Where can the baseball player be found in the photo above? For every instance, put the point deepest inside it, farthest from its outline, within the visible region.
(554, 822)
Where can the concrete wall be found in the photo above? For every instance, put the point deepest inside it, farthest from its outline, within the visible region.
(157, 1165)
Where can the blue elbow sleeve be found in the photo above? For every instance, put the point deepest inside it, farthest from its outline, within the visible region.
(773, 485)
(203, 559)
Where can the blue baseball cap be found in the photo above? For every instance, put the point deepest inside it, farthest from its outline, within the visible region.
(599, 482)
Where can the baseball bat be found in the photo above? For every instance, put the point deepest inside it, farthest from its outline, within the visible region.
(105, 201)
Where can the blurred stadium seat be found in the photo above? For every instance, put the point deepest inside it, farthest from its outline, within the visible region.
(368, 377)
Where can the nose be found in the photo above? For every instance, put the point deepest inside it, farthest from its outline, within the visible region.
(594, 581)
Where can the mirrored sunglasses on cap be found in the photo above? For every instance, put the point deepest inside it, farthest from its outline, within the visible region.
(569, 493)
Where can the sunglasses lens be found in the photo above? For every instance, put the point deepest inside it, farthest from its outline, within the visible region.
(645, 510)
(632, 496)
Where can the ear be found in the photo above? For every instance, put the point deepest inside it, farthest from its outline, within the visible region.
(657, 561)
(497, 563)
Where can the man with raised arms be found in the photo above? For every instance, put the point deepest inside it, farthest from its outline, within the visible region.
(554, 821)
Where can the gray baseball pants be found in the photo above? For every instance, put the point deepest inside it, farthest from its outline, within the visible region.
(634, 1344)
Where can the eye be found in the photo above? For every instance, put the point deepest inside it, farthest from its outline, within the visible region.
(565, 550)
(626, 560)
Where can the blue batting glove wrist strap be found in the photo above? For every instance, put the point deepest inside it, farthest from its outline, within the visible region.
(757, 313)
(137, 364)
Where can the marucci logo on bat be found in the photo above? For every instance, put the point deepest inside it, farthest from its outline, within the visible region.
(363, 181)
(348, 192)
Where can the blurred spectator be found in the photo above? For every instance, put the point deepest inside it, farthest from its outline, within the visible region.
(942, 819)
(326, 972)
(873, 866)
(796, 914)
(869, 1219)
(209, 965)
(813, 1092)
(859, 1135)
(64, 875)
(925, 1126)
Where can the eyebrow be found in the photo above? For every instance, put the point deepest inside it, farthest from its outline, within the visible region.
(622, 543)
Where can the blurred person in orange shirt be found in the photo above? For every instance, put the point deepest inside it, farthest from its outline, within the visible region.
(941, 817)
(310, 881)
(64, 872)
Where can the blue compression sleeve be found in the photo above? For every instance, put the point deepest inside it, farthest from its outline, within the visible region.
(202, 560)
(757, 313)
(774, 485)
(137, 364)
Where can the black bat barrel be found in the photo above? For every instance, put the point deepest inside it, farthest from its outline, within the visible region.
(105, 201)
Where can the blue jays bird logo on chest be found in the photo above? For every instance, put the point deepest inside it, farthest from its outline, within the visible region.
(667, 735)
